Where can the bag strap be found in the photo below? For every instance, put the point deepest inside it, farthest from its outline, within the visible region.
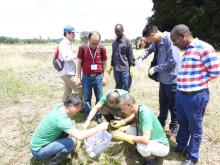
(83, 51)
(137, 120)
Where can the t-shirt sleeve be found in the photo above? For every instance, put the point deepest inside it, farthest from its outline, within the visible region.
(103, 100)
(65, 124)
(146, 122)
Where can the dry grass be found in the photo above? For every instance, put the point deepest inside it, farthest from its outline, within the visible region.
(30, 86)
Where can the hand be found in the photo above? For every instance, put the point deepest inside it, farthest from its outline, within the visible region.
(151, 71)
(104, 81)
(78, 144)
(103, 126)
(124, 128)
(118, 123)
(109, 70)
(132, 71)
(123, 136)
(86, 124)
(78, 81)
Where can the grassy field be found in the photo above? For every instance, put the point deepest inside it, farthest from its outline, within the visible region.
(30, 87)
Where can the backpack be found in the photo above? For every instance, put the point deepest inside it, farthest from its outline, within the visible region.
(58, 63)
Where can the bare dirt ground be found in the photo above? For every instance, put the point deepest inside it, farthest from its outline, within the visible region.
(30, 87)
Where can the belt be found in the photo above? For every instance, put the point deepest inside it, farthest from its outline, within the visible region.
(193, 92)
(93, 75)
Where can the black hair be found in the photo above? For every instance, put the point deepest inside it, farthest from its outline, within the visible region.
(73, 99)
(64, 34)
(149, 29)
(92, 33)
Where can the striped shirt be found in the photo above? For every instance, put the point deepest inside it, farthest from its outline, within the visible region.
(199, 65)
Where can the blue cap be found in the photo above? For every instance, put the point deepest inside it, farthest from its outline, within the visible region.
(69, 29)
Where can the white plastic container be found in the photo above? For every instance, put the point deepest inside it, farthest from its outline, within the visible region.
(98, 143)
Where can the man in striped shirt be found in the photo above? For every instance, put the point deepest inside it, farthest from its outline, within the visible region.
(199, 65)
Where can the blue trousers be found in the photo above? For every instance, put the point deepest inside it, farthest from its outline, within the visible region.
(123, 80)
(190, 111)
(64, 145)
(89, 82)
(167, 94)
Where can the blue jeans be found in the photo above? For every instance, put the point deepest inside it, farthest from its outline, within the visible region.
(123, 80)
(190, 111)
(64, 145)
(167, 94)
(89, 82)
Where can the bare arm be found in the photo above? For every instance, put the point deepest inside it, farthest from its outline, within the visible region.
(94, 111)
(130, 118)
(79, 68)
(144, 139)
(84, 134)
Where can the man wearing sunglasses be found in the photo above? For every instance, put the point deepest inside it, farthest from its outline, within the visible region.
(108, 107)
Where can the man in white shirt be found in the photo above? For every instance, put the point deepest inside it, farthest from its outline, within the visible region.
(69, 57)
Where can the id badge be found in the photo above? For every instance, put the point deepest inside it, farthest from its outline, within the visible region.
(94, 67)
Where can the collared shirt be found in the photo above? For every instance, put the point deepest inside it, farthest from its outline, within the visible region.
(168, 59)
(198, 66)
(67, 55)
(122, 54)
(88, 61)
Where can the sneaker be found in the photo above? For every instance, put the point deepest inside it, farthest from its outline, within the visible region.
(188, 162)
(99, 119)
(181, 152)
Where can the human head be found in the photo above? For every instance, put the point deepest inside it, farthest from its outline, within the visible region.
(126, 103)
(69, 32)
(119, 30)
(150, 33)
(181, 36)
(94, 39)
(112, 98)
(73, 104)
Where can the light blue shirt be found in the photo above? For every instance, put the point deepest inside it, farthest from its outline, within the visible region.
(168, 59)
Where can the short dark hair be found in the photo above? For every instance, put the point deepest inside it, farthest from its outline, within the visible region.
(180, 29)
(64, 34)
(111, 99)
(149, 29)
(73, 99)
(92, 33)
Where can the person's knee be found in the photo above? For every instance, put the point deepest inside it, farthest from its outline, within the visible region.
(143, 150)
(68, 146)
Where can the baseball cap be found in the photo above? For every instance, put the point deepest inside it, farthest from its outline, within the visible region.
(69, 29)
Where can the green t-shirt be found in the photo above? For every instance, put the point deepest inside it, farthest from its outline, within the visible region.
(50, 128)
(103, 99)
(147, 121)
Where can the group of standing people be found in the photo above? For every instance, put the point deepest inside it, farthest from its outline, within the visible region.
(183, 91)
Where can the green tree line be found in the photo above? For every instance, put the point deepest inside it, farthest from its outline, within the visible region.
(202, 16)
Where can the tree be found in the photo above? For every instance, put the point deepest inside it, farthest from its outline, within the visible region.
(84, 36)
(202, 16)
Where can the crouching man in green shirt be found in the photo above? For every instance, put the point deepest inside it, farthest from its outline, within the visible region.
(108, 107)
(48, 141)
(149, 135)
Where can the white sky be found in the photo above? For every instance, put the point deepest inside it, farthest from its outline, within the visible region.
(46, 18)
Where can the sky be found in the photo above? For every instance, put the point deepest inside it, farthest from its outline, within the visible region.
(46, 18)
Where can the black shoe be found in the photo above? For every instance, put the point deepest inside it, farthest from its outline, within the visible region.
(181, 152)
(58, 159)
(188, 162)
(99, 119)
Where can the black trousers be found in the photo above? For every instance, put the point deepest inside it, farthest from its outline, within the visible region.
(167, 95)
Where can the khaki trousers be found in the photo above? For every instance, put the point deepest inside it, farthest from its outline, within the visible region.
(70, 86)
